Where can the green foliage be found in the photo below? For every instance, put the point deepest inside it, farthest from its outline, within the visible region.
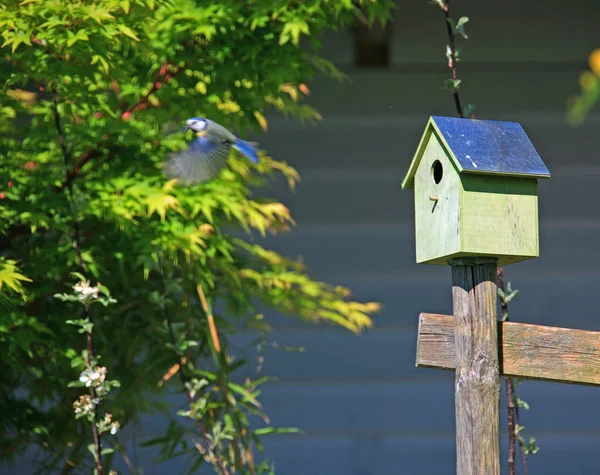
(452, 84)
(580, 106)
(528, 447)
(11, 277)
(506, 295)
(458, 27)
(93, 94)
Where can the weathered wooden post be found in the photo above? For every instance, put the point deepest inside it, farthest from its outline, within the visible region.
(475, 188)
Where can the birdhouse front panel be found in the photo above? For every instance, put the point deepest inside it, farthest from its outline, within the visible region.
(475, 188)
(437, 204)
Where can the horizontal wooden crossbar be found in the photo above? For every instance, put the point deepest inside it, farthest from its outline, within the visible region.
(526, 351)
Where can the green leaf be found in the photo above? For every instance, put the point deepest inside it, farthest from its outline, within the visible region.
(92, 449)
(293, 29)
(17, 39)
(452, 84)
(81, 35)
(469, 110)
(460, 26)
(462, 21)
(11, 277)
(277, 430)
(439, 3)
(99, 14)
(127, 31)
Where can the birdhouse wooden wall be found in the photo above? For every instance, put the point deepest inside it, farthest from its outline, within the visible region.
(437, 205)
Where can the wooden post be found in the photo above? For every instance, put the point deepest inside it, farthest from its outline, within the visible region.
(477, 383)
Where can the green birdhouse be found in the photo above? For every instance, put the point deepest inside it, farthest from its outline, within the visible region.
(475, 185)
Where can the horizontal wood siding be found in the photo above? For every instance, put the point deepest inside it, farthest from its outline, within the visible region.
(364, 406)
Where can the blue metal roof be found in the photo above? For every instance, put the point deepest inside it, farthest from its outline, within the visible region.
(490, 146)
(483, 146)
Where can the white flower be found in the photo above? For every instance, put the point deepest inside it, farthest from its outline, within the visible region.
(85, 291)
(114, 427)
(93, 377)
(86, 377)
(109, 424)
(85, 404)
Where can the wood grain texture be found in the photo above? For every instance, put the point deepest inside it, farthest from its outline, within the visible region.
(477, 381)
(561, 355)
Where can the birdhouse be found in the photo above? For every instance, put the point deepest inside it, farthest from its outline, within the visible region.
(475, 185)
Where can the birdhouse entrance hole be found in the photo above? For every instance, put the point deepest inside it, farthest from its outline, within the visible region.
(437, 171)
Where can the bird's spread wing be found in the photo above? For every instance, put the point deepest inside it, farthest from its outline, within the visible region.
(202, 161)
(217, 133)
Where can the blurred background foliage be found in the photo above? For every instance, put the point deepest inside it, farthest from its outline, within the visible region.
(93, 97)
(580, 106)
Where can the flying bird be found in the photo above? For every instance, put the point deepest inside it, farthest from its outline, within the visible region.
(207, 154)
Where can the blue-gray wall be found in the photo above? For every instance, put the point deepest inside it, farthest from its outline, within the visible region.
(366, 409)
(364, 406)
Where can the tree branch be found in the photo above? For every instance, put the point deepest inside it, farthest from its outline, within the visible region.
(510, 397)
(512, 408)
(66, 157)
(452, 61)
(157, 83)
(72, 174)
(77, 244)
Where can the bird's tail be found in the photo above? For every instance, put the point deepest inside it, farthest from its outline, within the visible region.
(250, 149)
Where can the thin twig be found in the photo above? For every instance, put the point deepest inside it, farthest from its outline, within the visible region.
(512, 408)
(512, 435)
(162, 76)
(214, 335)
(126, 458)
(237, 455)
(452, 62)
(72, 174)
(66, 157)
(521, 446)
(184, 382)
(191, 399)
(510, 399)
(77, 245)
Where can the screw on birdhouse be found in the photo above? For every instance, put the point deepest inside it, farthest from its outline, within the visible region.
(490, 218)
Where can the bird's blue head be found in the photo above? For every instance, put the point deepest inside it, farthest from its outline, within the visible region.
(197, 124)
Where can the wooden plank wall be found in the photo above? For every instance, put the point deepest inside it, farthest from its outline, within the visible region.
(366, 410)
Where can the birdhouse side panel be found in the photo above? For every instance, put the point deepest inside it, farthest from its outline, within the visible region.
(437, 207)
(499, 217)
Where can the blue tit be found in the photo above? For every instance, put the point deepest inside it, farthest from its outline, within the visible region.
(207, 154)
